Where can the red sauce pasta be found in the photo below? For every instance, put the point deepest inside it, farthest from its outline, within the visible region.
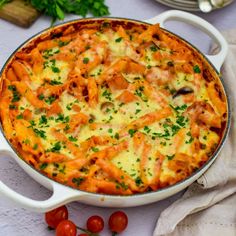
(112, 107)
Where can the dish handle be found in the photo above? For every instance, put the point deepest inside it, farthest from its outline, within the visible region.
(61, 194)
(218, 59)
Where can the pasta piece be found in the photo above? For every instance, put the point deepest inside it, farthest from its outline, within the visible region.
(92, 92)
(24, 89)
(47, 44)
(215, 99)
(55, 109)
(117, 67)
(20, 71)
(117, 174)
(53, 157)
(28, 140)
(155, 182)
(118, 82)
(37, 61)
(149, 118)
(143, 162)
(126, 97)
(110, 152)
(77, 120)
(11, 75)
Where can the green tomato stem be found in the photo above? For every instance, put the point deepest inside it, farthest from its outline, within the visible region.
(86, 231)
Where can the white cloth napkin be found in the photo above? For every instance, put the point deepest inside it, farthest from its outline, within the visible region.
(208, 207)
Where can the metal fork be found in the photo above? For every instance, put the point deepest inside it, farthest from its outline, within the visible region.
(205, 5)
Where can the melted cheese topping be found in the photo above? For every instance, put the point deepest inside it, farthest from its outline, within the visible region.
(115, 111)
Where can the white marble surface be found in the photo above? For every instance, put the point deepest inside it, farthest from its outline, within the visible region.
(15, 221)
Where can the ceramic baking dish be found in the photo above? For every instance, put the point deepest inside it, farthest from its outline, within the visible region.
(63, 194)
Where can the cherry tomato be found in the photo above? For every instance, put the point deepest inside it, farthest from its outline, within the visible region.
(54, 217)
(118, 221)
(66, 228)
(95, 224)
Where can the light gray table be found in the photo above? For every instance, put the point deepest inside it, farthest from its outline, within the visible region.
(15, 221)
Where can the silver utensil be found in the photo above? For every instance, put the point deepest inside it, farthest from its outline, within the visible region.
(205, 5)
(217, 3)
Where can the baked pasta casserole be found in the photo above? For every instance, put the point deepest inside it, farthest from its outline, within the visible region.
(112, 106)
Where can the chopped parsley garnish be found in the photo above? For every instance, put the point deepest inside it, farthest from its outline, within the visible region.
(165, 135)
(41, 96)
(62, 170)
(175, 129)
(153, 48)
(52, 65)
(26, 141)
(180, 120)
(117, 136)
(69, 106)
(15, 93)
(163, 143)
(32, 122)
(196, 69)
(61, 43)
(12, 87)
(43, 120)
(12, 107)
(62, 118)
(35, 146)
(50, 52)
(40, 133)
(55, 82)
(139, 92)
(170, 157)
(55, 69)
(19, 117)
(86, 60)
(43, 166)
(118, 40)
(137, 111)
(138, 181)
(94, 149)
(56, 147)
(49, 100)
(67, 127)
(190, 138)
(146, 129)
(110, 130)
(107, 95)
(132, 132)
(72, 139)
(122, 185)
(78, 180)
(179, 108)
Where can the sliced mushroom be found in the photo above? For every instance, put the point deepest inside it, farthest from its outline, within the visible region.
(106, 106)
(183, 91)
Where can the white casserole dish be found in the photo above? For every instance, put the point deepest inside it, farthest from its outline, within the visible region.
(63, 194)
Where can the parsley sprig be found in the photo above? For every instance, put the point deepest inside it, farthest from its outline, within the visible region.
(58, 8)
(3, 2)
